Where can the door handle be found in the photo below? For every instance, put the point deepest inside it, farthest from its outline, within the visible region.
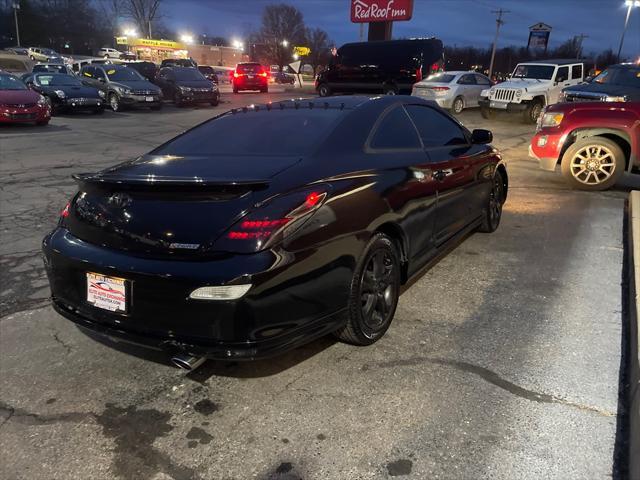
(440, 175)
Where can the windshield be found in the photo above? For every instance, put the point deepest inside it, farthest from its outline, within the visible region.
(440, 78)
(627, 77)
(188, 74)
(50, 68)
(123, 75)
(282, 132)
(541, 72)
(7, 82)
(57, 80)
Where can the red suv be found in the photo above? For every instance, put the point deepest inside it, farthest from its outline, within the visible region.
(250, 76)
(594, 142)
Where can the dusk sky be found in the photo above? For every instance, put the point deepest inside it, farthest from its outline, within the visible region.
(459, 22)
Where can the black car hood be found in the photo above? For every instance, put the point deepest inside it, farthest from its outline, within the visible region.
(610, 89)
(194, 83)
(212, 169)
(137, 85)
(73, 92)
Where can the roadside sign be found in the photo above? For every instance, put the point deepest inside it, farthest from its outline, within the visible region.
(365, 11)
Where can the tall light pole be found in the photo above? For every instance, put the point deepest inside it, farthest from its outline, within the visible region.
(630, 4)
(499, 23)
(16, 7)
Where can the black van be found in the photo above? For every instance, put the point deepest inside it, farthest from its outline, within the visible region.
(390, 67)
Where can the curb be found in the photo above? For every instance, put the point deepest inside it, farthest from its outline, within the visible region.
(634, 310)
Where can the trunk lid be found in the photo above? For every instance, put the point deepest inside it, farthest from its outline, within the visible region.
(169, 205)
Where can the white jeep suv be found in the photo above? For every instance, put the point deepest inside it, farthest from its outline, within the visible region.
(532, 86)
(106, 52)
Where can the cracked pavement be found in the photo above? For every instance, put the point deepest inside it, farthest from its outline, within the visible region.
(502, 361)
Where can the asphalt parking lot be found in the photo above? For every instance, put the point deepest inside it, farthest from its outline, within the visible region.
(503, 360)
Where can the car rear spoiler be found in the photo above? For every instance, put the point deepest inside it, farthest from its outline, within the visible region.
(153, 182)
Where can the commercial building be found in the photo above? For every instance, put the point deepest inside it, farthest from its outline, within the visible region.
(216, 55)
(153, 50)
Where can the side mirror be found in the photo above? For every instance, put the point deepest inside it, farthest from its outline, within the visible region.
(481, 137)
(101, 80)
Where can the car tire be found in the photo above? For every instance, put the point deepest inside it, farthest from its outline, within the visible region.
(114, 102)
(492, 213)
(216, 102)
(487, 113)
(324, 90)
(390, 90)
(532, 112)
(374, 293)
(593, 163)
(457, 106)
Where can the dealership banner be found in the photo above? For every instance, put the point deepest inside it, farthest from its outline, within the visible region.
(364, 11)
(539, 36)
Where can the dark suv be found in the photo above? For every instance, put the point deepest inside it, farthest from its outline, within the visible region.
(123, 86)
(389, 67)
(618, 83)
(178, 62)
(250, 76)
(187, 85)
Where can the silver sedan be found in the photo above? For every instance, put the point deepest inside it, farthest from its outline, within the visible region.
(452, 90)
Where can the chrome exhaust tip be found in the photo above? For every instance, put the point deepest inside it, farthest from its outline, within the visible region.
(187, 362)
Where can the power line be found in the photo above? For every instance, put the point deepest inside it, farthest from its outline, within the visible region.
(499, 23)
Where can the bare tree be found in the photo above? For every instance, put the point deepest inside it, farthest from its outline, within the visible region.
(320, 45)
(143, 12)
(282, 29)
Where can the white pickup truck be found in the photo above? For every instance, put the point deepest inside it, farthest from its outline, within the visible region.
(532, 86)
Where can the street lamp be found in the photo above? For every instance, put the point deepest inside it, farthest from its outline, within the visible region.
(237, 44)
(630, 4)
(16, 7)
(186, 38)
(296, 56)
(130, 32)
(285, 43)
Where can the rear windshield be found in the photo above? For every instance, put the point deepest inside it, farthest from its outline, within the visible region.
(627, 77)
(275, 132)
(50, 68)
(249, 68)
(440, 78)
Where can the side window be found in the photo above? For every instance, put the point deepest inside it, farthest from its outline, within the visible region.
(436, 130)
(98, 73)
(562, 75)
(480, 80)
(576, 72)
(87, 72)
(467, 80)
(395, 131)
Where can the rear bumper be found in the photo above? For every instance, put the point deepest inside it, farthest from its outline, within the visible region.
(294, 298)
(251, 84)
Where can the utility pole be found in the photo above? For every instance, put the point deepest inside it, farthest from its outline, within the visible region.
(149, 28)
(499, 23)
(580, 38)
(16, 7)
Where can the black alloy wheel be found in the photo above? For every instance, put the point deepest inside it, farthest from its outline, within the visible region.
(493, 210)
(114, 102)
(375, 289)
(457, 106)
(324, 90)
(532, 112)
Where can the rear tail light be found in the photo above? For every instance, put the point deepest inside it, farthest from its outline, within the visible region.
(418, 74)
(273, 222)
(435, 68)
(65, 211)
(236, 74)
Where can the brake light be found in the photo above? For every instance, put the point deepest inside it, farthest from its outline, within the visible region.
(275, 221)
(263, 74)
(435, 67)
(418, 74)
(65, 211)
(236, 74)
(439, 89)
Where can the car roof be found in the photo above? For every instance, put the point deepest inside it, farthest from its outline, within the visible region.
(555, 61)
(343, 102)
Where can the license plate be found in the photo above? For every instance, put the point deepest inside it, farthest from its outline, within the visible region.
(149, 99)
(498, 105)
(108, 293)
(250, 76)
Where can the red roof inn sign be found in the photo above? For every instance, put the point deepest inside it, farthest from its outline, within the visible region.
(365, 11)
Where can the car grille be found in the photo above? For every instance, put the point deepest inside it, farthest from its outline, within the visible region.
(503, 94)
(83, 100)
(585, 97)
(20, 105)
(22, 116)
(144, 92)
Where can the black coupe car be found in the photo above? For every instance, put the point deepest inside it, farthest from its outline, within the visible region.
(67, 92)
(187, 85)
(224, 245)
